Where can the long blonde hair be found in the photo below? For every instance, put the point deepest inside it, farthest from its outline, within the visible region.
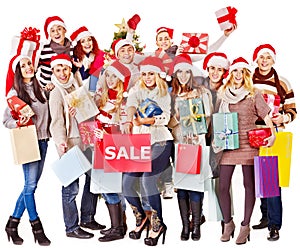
(160, 83)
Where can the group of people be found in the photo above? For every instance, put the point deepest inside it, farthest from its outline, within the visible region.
(64, 65)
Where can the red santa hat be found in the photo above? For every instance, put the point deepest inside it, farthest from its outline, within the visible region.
(182, 61)
(11, 71)
(154, 64)
(50, 22)
(164, 29)
(264, 48)
(216, 59)
(117, 44)
(239, 62)
(80, 33)
(121, 71)
(60, 59)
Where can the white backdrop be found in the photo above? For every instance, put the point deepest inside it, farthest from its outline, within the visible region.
(275, 22)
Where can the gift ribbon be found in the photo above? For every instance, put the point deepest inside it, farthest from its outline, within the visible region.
(226, 132)
(229, 17)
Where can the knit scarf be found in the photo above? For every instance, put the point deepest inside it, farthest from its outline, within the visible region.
(231, 96)
(261, 79)
(61, 49)
(87, 61)
(63, 90)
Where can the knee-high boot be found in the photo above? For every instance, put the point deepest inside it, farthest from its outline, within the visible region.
(117, 228)
(196, 215)
(184, 209)
(11, 229)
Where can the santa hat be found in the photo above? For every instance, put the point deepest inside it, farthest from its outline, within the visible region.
(265, 48)
(80, 33)
(50, 22)
(216, 59)
(154, 64)
(164, 29)
(181, 62)
(60, 59)
(121, 71)
(12, 69)
(239, 62)
(117, 44)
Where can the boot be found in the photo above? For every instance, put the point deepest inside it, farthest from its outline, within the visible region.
(196, 215)
(243, 235)
(11, 229)
(117, 228)
(184, 209)
(228, 231)
(124, 223)
(38, 232)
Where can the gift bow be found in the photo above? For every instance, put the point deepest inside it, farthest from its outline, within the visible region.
(194, 115)
(229, 17)
(223, 135)
(30, 34)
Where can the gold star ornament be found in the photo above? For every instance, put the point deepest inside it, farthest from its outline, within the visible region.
(123, 27)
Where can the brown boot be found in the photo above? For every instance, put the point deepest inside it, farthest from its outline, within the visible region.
(38, 233)
(243, 235)
(12, 230)
(228, 231)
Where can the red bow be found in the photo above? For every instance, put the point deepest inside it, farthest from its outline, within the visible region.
(230, 16)
(30, 34)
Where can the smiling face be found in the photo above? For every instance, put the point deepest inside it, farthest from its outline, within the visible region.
(126, 54)
(183, 76)
(62, 73)
(27, 69)
(163, 40)
(238, 77)
(149, 78)
(57, 34)
(111, 80)
(87, 44)
(265, 62)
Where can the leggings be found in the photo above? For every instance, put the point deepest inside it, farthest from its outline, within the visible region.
(226, 172)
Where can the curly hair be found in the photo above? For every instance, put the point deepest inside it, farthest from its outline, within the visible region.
(78, 50)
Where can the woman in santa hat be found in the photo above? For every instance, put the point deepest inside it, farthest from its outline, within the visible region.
(238, 95)
(27, 88)
(152, 86)
(88, 58)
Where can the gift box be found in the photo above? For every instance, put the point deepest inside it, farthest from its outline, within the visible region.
(274, 102)
(149, 108)
(192, 116)
(282, 148)
(226, 132)
(226, 17)
(256, 136)
(185, 163)
(266, 176)
(194, 43)
(87, 132)
(83, 102)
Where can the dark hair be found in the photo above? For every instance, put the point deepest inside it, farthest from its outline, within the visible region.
(177, 88)
(79, 53)
(19, 86)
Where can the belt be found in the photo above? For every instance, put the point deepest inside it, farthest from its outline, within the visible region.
(44, 140)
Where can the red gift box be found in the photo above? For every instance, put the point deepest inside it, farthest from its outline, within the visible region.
(256, 136)
(274, 102)
(87, 131)
(194, 43)
(188, 159)
(226, 17)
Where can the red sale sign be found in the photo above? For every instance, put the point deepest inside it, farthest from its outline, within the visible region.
(127, 152)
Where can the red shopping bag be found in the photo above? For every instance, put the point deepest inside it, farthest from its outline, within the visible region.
(188, 159)
(127, 152)
(266, 176)
(98, 155)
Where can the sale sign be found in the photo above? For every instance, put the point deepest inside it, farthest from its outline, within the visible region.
(127, 152)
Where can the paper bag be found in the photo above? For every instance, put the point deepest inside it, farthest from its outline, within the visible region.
(188, 159)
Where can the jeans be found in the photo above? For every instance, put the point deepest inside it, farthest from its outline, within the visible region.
(160, 161)
(32, 173)
(194, 196)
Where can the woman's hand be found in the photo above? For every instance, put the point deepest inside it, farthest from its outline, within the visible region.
(77, 63)
(72, 111)
(270, 140)
(98, 133)
(63, 147)
(229, 31)
(49, 87)
(127, 127)
(23, 120)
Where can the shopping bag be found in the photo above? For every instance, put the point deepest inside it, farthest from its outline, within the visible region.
(214, 210)
(127, 152)
(71, 166)
(282, 148)
(266, 176)
(188, 159)
(24, 143)
(105, 182)
(86, 130)
(98, 162)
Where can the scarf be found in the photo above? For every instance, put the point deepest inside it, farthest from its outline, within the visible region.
(63, 90)
(231, 96)
(61, 49)
(112, 94)
(261, 79)
(88, 60)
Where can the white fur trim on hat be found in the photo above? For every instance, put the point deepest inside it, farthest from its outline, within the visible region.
(183, 66)
(146, 68)
(240, 65)
(266, 50)
(17, 60)
(219, 61)
(55, 22)
(60, 62)
(82, 35)
(122, 43)
(116, 72)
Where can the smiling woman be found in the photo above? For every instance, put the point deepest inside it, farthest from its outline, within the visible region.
(258, 22)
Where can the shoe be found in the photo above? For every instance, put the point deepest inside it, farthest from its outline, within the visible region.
(150, 241)
(137, 235)
(228, 231)
(202, 220)
(243, 235)
(80, 234)
(262, 224)
(273, 234)
(93, 225)
(168, 191)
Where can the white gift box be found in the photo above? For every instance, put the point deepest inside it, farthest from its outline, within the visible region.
(226, 17)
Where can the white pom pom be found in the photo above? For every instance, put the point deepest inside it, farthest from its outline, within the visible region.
(125, 94)
(163, 74)
(168, 78)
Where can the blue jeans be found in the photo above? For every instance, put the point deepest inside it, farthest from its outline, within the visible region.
(160, 161)
(194, 196)
(32, 173)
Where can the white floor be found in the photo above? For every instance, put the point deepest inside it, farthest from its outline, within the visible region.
(48, 199)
